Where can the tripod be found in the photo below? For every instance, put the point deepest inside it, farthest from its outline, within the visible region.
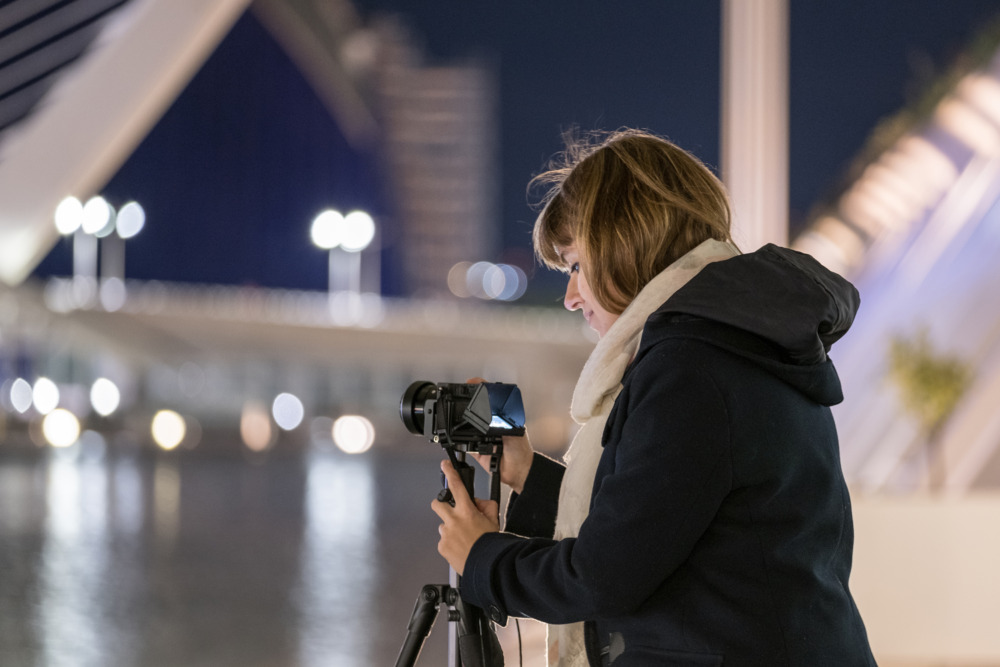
(475, 643)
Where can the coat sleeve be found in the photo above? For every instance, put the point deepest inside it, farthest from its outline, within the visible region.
(665, 470)
(532, 513)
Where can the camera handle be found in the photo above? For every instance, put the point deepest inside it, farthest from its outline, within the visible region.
(475, 644)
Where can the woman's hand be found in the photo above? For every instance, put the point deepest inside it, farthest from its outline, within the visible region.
(464, 523)
(516, 460)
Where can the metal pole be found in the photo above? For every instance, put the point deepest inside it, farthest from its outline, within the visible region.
(755, 119)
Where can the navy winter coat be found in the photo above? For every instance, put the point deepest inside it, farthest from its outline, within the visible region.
(720, 528)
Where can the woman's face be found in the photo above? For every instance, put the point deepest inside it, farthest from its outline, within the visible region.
(579, 296)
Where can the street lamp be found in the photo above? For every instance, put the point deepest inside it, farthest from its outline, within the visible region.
(345, 237)
(93, 224)
(327, 228)
(75, 219)
(128, 221)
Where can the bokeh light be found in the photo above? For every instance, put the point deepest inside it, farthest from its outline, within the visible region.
(353, 434)
(287, 411)
(104, 396)
(474, 279)
(359, 230)
(515, 282)
(21, 395)
(97, 215)
(327, 229)
(131, 220)
(69, 215)
(456, 279)
(168, 429)
(45, 395)
(255, 426)
(61, 428)
(112, 294)
(485, 280)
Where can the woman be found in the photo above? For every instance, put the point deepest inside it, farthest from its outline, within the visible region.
(702, 516)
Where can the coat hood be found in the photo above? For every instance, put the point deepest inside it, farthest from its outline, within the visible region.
(782, 310)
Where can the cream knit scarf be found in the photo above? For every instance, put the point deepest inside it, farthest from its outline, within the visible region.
(595, 393)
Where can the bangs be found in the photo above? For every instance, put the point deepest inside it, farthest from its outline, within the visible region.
(553, 231)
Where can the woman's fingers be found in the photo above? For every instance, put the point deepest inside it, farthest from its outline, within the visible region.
(458, 491)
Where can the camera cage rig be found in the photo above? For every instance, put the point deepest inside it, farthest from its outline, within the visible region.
(465, 417)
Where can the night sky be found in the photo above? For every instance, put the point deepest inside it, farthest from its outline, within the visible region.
(233, 174)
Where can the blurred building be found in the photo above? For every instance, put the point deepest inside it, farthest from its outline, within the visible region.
(917, 229)
(439, 130)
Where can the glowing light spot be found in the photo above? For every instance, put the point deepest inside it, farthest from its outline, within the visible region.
(104, 396)
(97, 215)
(494, 281)
(327, 229)
(21, 395)
(112, 294)
(61, 428)
(69, 215)
(168, 429)
(359, 230)
(475, 279)
(353, 434)
(45, 395)
(287, 411)
(515, 283)
(131, 220)
(255, 427)
(456, 279)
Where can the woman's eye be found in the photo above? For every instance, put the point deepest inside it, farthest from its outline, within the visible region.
(574, 267)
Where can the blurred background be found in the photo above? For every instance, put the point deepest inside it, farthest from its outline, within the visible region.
(232, 233)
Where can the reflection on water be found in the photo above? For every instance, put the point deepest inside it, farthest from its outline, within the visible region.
(337, 559)
(183, 558)
(166, 503)
(74, 564)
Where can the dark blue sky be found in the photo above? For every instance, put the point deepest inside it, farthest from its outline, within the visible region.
(233, 174)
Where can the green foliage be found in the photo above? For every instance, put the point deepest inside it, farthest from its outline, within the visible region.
(930, 384)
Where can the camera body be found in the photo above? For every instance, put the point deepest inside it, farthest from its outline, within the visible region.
(464, 417)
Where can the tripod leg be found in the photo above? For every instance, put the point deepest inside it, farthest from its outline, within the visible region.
(421, 621)
(478, 645)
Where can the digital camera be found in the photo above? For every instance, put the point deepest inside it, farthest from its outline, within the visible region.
(463, 417)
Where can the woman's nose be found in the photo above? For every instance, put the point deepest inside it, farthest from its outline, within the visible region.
(572, 300)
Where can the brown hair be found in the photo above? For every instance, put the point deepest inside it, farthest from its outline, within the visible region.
(633, 203)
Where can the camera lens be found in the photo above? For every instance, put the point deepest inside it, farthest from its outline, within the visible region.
(411, 406)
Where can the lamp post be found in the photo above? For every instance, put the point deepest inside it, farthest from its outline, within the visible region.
(92, 225)
(80, 221)
(129, 221)
(345, 237)
(327, 229)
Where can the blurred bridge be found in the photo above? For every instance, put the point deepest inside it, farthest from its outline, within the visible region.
(206, 351)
